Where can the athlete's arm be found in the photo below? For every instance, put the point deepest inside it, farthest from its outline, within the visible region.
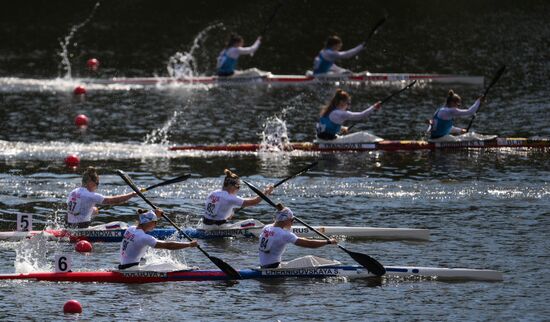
(312, 243)
(175, 245)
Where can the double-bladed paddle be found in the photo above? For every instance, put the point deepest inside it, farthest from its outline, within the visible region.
(375, 29)
(270, 20)
(495, 79)
(365, 260)
(226, 268)
(288, 178)
(167, 182)
(164, 183)
(411, 84)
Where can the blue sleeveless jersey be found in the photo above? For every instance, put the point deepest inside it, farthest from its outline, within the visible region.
(443, 126)
(228, 64)
(324, 65)
(326, 126)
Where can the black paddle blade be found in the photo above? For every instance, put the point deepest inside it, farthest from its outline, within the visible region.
(167, 182)
(375, 28)
(296, 174)
(495, 79)
(226, 268)
(367, 262)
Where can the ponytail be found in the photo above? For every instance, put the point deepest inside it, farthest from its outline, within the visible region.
(338, 97)
(452, 97)
(231, 179)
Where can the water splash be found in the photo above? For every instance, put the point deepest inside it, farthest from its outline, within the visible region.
(65, 62)
(185, 65)
(160, 135)
(31, 255)
(274, 136)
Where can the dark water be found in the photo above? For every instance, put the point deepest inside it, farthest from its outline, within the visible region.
(485, 209)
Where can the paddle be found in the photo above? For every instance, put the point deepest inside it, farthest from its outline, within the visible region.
(495, 79)
(164, 183)
(167, 182)
(365, 260)
(374, 30)
(411, 84)
(264, 30)
(287, 178)
(226, 268)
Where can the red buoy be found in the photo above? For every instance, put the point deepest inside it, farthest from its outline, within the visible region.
(81, 120)
(72, 161)
(92, 64)
(83, 246)
(72, 306)
(79, 90)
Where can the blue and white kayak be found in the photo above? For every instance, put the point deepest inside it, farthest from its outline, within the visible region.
(249, 228)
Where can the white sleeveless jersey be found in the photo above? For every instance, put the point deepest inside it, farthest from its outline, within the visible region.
(273, 241)
(219, 205)
(134, 245)
(80, 204)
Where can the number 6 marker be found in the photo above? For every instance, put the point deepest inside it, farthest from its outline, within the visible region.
(63, 263)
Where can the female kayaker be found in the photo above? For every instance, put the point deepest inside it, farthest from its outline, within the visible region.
(442, 121)
(81, 202)
(218, 208)
(336, 113)
(275, 237)
(324, 62)
(227, 60)
(136, 240)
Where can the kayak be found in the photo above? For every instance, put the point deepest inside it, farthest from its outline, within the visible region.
(250, 228)
(384, 145)
(351, 272)
(269, 78)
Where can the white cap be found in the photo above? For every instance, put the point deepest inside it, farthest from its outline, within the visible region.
(284, 214)
(147, 217)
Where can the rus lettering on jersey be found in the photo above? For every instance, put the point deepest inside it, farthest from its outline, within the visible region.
(128, 235)
(268, 233)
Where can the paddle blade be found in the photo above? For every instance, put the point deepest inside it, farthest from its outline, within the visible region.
(226, 268)
(367, 262)
(495, 79)
(296, 174)
(375, 28)
(167, 182)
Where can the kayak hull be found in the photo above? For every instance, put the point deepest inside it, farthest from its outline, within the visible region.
(115, 235)
(386, 145)
(351, 272)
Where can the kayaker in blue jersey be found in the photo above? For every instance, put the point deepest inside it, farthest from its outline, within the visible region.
(136, 241)
(336, 113)
(442, 121)
(275, 237)
(227, 60)
(324, 62)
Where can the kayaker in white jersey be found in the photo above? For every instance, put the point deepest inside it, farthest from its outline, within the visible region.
(336, 113)
(324, 63)
(274, 238)
(81, 202)
(219, 205)
(227, 60)
(136, 240)
(442, 121)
